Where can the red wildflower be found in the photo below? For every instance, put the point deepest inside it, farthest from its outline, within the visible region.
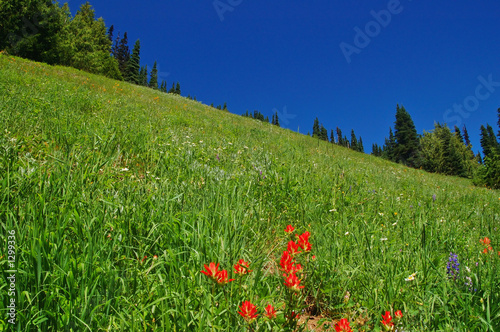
(144, 258)
(486, 241)
(248, 311)
(293, 282)
(222, 277)
(485, 251)
(343, 326)
(387, 321)
(294, 315)
(270, 312)
(242, 267)
(286, 262)
(289, 229)
(398, 314)
(211, 271)
(293, 248)
(303, 241)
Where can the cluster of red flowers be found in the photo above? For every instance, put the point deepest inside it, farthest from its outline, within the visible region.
(249, 311)
(486, 244)
(387, 319)
(287, 262)
(212, 271)
(343, 326)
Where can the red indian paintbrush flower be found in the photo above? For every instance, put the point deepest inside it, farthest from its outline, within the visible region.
(293, 248)
(343, 326)
(387, 321)
(248, 311)
(293, 282)
(303, 241)
(398, 314)
(289, 229)
(211, 270)
(286, 261)
(242, 267)
(270, 312)
(222, 277)
(486, 241)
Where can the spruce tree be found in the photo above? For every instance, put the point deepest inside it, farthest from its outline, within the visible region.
(144, 76)
(110, 33)
(153, 81)
(361, 148)
(276, 120)
(316, 129)
(407, 142)
(133, 67)
(273, 122)
(172, 90)
(354, 141)
(123, 54)
(339, 137)
(323, 133)
(332, 136)
(459, 135)
(225, 106)
(466, 136)
(178, 88)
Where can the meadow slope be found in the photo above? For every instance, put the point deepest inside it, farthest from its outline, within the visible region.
(97, 177)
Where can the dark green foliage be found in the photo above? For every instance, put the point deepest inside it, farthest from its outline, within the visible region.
(132, 73)
(110, 33)
(354, 141)
(466, 136)
(225, 108)
(163, 87)
(389, 147)
(153, 81)
(459, 135)
(267, 119)
(178, 89)
(172, 90)
(361, 148)
(332, 136)
(316, 129)
(143, 76)
(488, 141)
(276, 120)
(376, 150)
(340, 139)
(122, 53)
(442, 151)
(323, 133)
(407, 142)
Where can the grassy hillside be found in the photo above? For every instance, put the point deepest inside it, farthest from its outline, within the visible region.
(118, 195)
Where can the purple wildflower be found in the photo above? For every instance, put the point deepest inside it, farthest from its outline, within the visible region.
(434, 197)
(453, 266)
(217, 157)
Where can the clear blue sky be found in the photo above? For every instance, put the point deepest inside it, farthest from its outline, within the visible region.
(265, 55)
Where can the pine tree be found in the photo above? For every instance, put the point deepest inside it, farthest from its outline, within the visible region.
(133, 66)
(225, 106)
(339, 137)
(172, 90)
(122, 54)
(323, 133)
(273, 122)
(143, 79)
(466, 137)
(332, 136)
(354, 141)
(153, 81)
(316, 129)
(407, 142)
(276, 120)
(178, 89)
(459, 135)
(110, 33)
(267, 119)
(361, 148)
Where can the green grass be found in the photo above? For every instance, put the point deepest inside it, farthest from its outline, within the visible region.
(96, 174)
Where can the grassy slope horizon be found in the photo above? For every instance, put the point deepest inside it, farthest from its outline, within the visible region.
(97, 174)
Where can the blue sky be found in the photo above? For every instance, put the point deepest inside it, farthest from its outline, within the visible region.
(346, 62)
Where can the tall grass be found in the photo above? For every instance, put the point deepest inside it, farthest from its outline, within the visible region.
(98, 177)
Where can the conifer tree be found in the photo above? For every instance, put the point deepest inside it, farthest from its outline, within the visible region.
(498, 111)
(122, 53)
(316, 129)
(225, 106)
(272, 121)
(459, 135)
(361, 148)
(267, 119)
(178, 88)
(323, 133)
(466, 136)
(133, 66)
(144, 76)
(340, 140)
(332, 136)
(172, 89)
(153, 81)
(276, 120)
(354, 141)
(407, 142)
(110, 33)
